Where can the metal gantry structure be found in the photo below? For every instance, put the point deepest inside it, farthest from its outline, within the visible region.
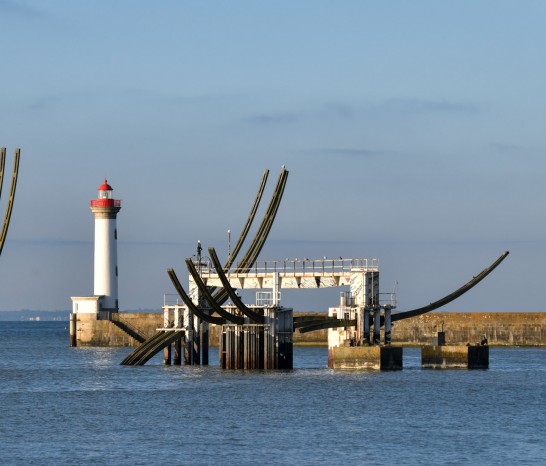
(259, 336)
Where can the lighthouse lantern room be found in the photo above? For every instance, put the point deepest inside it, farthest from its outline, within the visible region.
(105, 299)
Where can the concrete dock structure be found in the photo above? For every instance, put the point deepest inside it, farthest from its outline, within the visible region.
(385, 358)
(454, 357)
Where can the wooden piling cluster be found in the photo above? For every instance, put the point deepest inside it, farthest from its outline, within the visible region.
(242, 346)
(259, 346)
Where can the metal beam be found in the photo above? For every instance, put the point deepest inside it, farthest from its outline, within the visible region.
(189, 303)
(210, 299)
(231, 292)
(452, 296)
(328, 324)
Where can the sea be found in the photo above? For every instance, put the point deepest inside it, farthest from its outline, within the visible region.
(78, 406)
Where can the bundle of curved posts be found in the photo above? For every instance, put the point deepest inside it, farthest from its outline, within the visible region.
(250, 219)
(161, 339)
(203, 314)
(204, 290)
(151, 347)
(258, 242)
(328, 323)
(7, 216)
(231, 291)
(221, 296)
(311, 321)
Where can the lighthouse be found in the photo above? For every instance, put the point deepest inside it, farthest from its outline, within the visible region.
(105, 209)
(104, 301)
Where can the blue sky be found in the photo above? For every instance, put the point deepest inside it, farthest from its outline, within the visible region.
(413, 132)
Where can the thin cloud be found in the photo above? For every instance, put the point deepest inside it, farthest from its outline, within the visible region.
(340, 110)
(506, 149)
(346, 152)
(274, 119)
(426, 106)
(45, 102)
(19, 9)
(154, 95)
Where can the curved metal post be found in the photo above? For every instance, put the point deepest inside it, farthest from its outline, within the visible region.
(9, 208)
(231, 291)
(204, 290)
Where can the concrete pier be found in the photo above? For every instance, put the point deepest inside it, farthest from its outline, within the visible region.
(455, 357)
(385, 358)
(502, 329)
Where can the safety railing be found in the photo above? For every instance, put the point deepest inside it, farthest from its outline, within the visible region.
(312, 267)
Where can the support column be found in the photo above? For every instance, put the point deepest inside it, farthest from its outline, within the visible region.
(177, 322)
(222, 347)
(177, 358)
(377, 326)
(188, 337)
(204, 343)
(167, 355)
(366, 326)
(388, 326)
(267, 348)
(197, 341)
(246, 348)
(73, 329)
(166, 321)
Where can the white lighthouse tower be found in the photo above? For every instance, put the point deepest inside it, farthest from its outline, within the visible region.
(105, 294)
(105, 209)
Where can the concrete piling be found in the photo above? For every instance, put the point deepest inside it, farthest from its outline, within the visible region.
(377, 327)
(73, 329)
(366, 326)
(177, 357)
(388, 326)
(167, 355)
(454, 357)
(259, 346)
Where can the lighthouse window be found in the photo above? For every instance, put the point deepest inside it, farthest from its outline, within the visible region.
(116, 233)
(116, 270)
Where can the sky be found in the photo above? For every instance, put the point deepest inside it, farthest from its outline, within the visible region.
(413, 133)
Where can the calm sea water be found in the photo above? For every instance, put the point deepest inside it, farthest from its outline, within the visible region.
(62, 405)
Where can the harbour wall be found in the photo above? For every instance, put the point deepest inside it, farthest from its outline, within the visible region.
(501, 329)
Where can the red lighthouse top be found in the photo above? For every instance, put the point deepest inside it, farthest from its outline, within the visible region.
(105, 197)
(105, 187)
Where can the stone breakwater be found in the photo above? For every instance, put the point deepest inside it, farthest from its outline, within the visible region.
(501, 329)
